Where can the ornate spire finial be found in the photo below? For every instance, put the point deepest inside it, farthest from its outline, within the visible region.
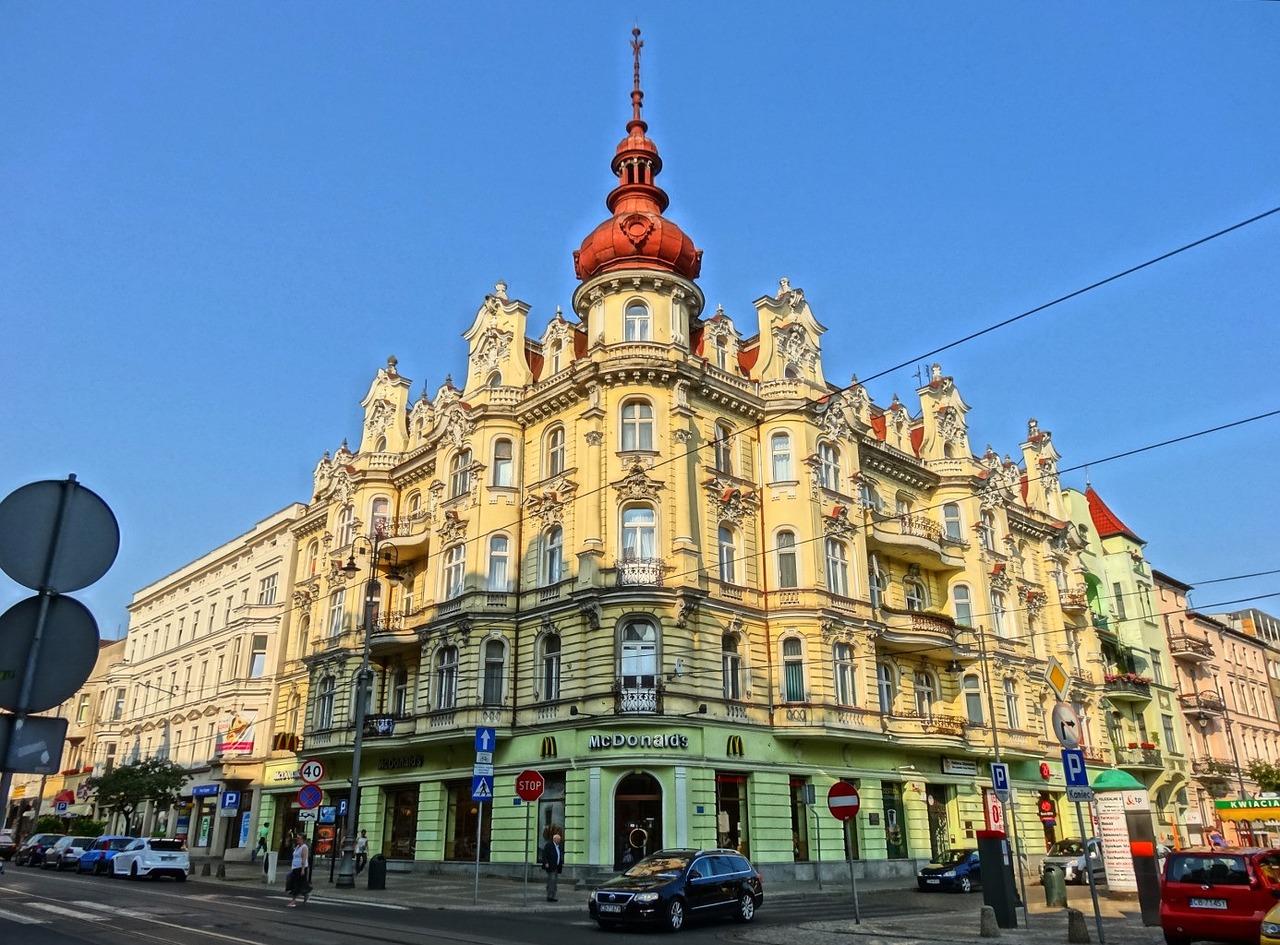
(637, 96)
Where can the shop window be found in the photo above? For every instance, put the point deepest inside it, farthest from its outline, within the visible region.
(731, 812)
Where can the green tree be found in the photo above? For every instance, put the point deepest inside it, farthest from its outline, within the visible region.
(126, 787)
(1265, 774)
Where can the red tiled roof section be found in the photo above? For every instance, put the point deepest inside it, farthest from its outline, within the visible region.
(1106, 522)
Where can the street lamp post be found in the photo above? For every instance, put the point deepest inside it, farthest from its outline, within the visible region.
(346, 878)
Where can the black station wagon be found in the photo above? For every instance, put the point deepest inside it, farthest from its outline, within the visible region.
(671, 886)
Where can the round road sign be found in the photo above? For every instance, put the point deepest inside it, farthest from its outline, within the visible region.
(311, 771)
(1066, 725)
(58, 536)
(843, 800)
(310, 797)
(67, 653)
(530, 785)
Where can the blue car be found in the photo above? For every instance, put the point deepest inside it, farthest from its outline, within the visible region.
(954, 871)
(97, 859)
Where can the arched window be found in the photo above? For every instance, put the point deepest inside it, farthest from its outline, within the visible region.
(553, 450)
(294, 717)
(926, 692)
(728, 555)
(415, 504)
(972, 699)
(788, 575)
(780, 454)
(636, 322)
(552, 556)
(877, 581)
(829, 466)
(637, 425)
(722, 353)
(495, 664)
(868, 497)
(1011, 704)
(313, 558)
(460, 473)
(337, 608)
(447, 677)
(551, 668)
(380, 515)
(346, 526)
(837, 567)
(792, 372)
(885, 688)
(455, 567)
(724, 448)
(731, 666)
(913, 590)
(494, 380)
(400, 692)
(987, 531)
(304, 638)
(639, 532)
(639, 654)
(499, 558)
(962, 605)
(999, 615)
(846, 690)
(557, 356)
(503, 463)
(324, 702)
(381, 445)
(793, 670)
(951, 526)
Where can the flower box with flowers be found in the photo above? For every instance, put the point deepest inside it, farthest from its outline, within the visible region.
(1148, 745)
(1133, 678)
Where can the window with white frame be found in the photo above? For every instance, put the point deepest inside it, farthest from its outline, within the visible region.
(639, 532)
(258, 656)
(499, 564)
(793, 670)
(721, 350)
(844, 676)
(553, 447)
(829, 466)
(495, 664)
(972, 688)
(987, 530)
(460, 474)
(552, 556)
(731, 666)
(1011, 704)
(324, 702)
(637, 425)
(380, 515)
(346, 526)
(724, 448)
(951, 524)
(877, 582)
(313, 558)
(780, 457)
(837, 567)
(868, 496)
(556, 361)
(550, 668)
(728, 554)
(455, 569)
(639, 654)
(788, 574)
(446, 677)
(999, 615)
(267, 590)
(337, 606)
(926, 693)
(885, 689)
(400, 692)
(503, 463)
(636, 322)
(962, 605)
(903, 505)
(914, 592)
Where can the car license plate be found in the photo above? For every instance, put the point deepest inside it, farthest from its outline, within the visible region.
(166, 858)
(610, 907)
(934, 882)
(1208, 903)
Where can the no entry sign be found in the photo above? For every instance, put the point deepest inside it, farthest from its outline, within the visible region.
(530, 785)
(843, 800)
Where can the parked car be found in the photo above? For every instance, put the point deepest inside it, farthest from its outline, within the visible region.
(65, 853)
(8, 844)
(152, 856)
(31, 853)
(671, 886)
(956, 870)
(1271, 927)
(97, 859)
(1070, 856)
(1221, 894)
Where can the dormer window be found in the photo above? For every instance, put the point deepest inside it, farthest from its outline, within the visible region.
(557, 356)
(495, 380)
(636, 322)
(722, 354)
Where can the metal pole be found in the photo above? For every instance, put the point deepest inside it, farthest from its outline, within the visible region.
(853, 880)
(817, 825)
(1093, 887)
(528, 830)
(475, 894)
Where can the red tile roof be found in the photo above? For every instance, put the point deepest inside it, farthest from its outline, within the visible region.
(1106, 522)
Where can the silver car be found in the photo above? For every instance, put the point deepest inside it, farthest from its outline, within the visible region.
(1070, 856)
(66, 853)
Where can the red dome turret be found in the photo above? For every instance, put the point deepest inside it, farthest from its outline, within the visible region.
(637, 236)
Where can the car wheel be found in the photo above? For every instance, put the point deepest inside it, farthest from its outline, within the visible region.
(606, 925)
(1175, 940)
(181, 877)
(133, 870)
(746, 907)
(675, 915)
(965, 884)
(100, 868)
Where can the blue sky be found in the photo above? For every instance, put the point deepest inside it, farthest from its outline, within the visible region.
(220, 219)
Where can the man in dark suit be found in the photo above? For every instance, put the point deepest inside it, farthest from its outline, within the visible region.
(553, 863)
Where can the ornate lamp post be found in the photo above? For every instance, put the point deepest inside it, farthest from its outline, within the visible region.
(379, 554)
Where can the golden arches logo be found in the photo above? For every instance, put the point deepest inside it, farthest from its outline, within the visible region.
(734, 746)
(548, 747)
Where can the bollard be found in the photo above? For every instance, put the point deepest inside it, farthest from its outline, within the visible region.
(222, 871)
(1077, 931)
(377, 871)
(987, 925)
(204, 868)
(1055, 886)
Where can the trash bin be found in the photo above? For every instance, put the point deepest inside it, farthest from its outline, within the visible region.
(1055, 886)
(378, 871)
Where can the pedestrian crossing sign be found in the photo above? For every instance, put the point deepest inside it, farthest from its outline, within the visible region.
(482, 787)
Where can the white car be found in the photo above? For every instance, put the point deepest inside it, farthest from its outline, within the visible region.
(152, 856)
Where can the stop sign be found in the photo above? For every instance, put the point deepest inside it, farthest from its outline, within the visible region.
(530, 785)
(843, 800)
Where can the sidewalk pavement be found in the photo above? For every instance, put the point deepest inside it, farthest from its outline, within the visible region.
(1122, 922)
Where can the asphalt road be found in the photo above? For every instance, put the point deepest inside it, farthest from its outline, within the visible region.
(66, 909)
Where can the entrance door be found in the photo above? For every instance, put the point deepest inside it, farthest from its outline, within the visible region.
(637, 818)
(936, 797)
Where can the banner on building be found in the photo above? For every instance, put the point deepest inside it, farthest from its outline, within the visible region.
(235, 737)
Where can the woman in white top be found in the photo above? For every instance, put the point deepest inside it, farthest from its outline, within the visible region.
(299, 875)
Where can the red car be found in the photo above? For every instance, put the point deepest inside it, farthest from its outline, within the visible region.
(1217, 894)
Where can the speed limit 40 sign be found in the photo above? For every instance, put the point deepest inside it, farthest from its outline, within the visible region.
(311, 771)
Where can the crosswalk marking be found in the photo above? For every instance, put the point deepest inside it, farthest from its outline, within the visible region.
(70, 913)
(105, 907)
(22, 919)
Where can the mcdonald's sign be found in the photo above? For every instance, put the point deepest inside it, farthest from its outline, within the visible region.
(548, 749)
(733, 747)
(286, 741)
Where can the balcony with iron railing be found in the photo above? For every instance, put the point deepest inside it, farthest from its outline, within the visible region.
(1127, 687)
(1143, 758)
(1212, 769)
(1190, 649)
(1075, 601)
(638, 696)
(911, 725)
(1207, 703)
(639, 572)
(925, 633)
(914, 538)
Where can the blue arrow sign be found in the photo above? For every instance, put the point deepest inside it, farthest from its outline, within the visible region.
(1073, 768)
(485, 739)
(482, 788)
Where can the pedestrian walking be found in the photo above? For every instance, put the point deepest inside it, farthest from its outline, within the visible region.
(263, 831)
(300, 873)
(362, 851)
(553, 863)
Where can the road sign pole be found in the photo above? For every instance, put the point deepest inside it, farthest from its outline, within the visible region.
(475, 894)
(853, 880)
(528, 831)
(817, 825)
(1093, 886)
